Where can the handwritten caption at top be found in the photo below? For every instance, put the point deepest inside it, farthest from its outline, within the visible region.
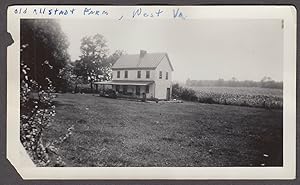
(175, 13)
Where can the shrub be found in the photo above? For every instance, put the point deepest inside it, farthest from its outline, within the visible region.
(36, 113)
(183, 93)
(208, 100)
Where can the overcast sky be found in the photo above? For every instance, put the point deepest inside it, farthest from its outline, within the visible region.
(198, 49)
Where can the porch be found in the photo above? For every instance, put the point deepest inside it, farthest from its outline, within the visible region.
(127, 89)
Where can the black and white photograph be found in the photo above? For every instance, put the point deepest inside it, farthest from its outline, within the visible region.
(152, 92)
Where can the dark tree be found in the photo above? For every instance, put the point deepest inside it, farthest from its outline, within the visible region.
(44, 51)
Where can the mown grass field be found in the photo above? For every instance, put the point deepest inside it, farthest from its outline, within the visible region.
(114, 132)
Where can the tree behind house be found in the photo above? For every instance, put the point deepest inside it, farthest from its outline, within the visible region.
(95, 63)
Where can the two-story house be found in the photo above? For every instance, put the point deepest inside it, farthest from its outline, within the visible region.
(144, 74)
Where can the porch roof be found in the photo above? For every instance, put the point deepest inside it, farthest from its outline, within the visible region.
(124, 82)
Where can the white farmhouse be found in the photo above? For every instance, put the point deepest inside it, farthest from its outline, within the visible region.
(144, 74)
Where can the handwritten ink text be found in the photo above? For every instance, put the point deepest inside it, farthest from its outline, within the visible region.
(143, 13)
(90, 11)
(178, 14)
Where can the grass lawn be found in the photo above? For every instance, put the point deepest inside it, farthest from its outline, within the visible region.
(114, 132)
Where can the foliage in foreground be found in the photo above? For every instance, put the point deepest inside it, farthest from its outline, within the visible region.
(37, 112)
(45, 70)
(43, 60)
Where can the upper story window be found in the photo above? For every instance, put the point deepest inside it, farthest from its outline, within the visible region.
(160, 74)
(147, 74)
(167, 75)
(126, 74)
(118, 74)
(139, 74)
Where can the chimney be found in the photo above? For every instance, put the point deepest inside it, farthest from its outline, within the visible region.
(142, 53)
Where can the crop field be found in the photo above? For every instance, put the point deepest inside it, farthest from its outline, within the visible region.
(246, 96)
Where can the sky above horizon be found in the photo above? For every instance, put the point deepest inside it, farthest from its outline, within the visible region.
(198, 49)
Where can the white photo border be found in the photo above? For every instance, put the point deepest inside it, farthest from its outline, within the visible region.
(24, 166)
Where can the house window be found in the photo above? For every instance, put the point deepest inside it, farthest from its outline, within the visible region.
(147, 74)
(167, 75)
(118, 74)
(147, 89)
(138, 90)
(126, 74)
(160, 74)
(139, 74)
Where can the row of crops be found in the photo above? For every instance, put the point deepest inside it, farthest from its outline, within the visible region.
(253, 97)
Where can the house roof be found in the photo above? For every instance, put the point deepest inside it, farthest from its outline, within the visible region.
(135, 61)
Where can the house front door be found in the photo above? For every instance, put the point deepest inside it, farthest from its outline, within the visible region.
(168, 94)
(125, 89)
(138, 90)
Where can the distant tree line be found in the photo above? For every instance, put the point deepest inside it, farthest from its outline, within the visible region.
(265, 82)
